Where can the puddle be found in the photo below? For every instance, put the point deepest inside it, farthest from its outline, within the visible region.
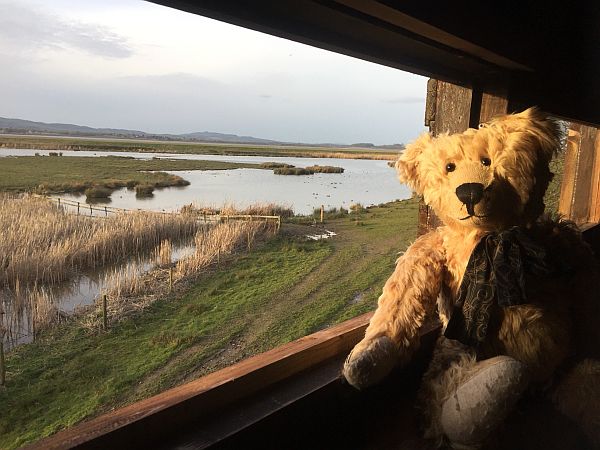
(317, 237)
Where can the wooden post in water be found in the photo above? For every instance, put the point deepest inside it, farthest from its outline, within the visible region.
(59, 202)
(91, 213)
(104, 313)
(322, 212)
(77, 208)
(105, 212)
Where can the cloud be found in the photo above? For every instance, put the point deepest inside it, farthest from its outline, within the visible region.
(406, 99)
(265, 96)
(28, 29)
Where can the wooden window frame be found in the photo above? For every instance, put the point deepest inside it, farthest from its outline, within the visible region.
(295, 370)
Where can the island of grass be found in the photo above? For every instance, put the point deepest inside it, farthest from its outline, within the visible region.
(310, 170)
(275, 165)
(144, 190)
(95, 192)
(325, 169)
(46, 175)
(292, 171)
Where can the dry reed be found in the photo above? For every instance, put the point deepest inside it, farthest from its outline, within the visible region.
(163, 254)
(40, 243)
(231, 209)
(130, 290)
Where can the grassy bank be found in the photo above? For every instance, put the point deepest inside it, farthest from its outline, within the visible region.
(75, 174)
(198, 148)
(286, 288)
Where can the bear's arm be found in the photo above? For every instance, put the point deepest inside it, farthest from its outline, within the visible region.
(408, 296)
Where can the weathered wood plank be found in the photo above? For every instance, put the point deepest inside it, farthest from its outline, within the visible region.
(453, 108)
(594, 216)
(189, 402)
(493, 103)
(571, 159)
(580, 189)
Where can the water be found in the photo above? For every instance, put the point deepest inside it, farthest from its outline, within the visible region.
(367, 182)
(83, 290)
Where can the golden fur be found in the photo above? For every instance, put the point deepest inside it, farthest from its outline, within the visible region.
(539, 333)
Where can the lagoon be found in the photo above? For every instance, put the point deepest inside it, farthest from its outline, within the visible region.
(367, 182)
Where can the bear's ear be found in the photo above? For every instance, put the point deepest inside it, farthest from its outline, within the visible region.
(407, 164)
(536, 126)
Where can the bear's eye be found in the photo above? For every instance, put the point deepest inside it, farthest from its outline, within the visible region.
(450, 167)
(486, 161)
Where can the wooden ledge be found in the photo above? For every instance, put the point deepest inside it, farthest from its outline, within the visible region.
(151, 418)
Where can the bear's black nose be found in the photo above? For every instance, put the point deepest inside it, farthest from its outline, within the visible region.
(470, 193)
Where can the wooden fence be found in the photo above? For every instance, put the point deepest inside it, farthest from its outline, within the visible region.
(81, 208)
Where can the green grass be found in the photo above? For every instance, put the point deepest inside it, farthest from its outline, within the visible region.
(284, 289)
(131, 145)
(75, 174)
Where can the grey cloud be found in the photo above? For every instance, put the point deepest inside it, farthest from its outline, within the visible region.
(407, 99)
(27, 29)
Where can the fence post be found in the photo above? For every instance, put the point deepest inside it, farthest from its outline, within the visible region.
(59, 202)
(2, 334)
(91, 213)
(2, 365)
(77, 208)
(322, 212)
(105, 212)
(104, 312)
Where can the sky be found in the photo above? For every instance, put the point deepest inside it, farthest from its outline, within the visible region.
(136, 65)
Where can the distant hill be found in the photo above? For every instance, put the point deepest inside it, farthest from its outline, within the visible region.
(20, 126)
(29, 127)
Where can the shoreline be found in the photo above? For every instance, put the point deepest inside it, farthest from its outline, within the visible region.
(195, 148)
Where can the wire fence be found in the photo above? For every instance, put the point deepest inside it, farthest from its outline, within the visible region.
(102, 211)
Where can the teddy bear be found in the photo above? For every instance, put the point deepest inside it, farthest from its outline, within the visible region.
(517, 293)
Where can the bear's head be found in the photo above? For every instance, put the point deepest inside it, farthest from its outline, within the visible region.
(490, 178)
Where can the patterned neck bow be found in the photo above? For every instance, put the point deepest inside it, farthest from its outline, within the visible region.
(495, 275)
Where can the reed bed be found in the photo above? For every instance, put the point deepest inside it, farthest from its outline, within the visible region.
(40, 243)
(163, 254)
(231, 209)
(355, 155)
(258, 209)
(26, 312)
(293, 171)
(275, 165)
(131, 290)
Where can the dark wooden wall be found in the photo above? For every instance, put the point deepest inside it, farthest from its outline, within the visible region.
(580, 190)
